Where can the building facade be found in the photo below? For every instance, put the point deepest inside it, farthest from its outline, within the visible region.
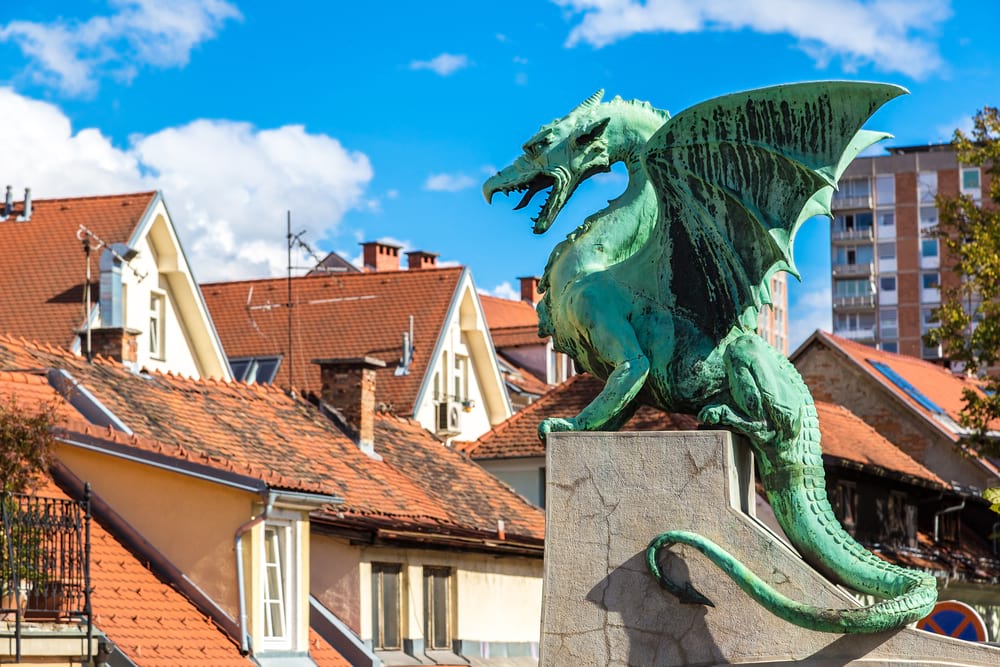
(772, 323)
(887, 263)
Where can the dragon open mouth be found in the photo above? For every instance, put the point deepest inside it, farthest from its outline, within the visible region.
(530, 188)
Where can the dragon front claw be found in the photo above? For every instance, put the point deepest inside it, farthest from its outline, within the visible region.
(553, 424)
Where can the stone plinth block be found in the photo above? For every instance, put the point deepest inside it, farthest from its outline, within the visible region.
(609, 494)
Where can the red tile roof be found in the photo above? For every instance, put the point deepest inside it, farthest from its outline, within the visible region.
(338, 316)
(522, 379)
(44, 267)
(147, 619)
(511, 323)
(935, 382)
(323, 654)
(264, 433)
(844, 435)
(518, 436)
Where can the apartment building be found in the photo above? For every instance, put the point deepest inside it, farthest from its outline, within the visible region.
(888, 267)
(772, 323)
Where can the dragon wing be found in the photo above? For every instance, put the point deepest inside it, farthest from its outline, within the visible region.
(736, 177)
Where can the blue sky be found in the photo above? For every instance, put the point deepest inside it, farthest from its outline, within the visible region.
(381, 120)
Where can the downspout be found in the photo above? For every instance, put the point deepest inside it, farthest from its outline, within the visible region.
(948, 510)
(240, 586)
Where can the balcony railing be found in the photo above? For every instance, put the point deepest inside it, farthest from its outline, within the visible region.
(867, 234)
(44, 561)
(845, 302)
(856, 334)
(842, 270)
(845, 203)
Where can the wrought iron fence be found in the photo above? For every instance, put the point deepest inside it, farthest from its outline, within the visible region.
(45, 560)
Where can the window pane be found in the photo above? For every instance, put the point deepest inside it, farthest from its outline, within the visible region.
(970, 179)
(930, 280)
(887, 219)
(887, 284)
(885, 190)
(929, 248)
(927, 186)
(887, 250)
(275, 543)
(928, 216)
(436, 599)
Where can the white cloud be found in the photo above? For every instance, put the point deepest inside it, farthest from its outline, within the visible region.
(895, 35)
(810, 311)
(227, 184)
(444, 64)
(504, 290)
(946, 131)
(449, 182)
(72, 55)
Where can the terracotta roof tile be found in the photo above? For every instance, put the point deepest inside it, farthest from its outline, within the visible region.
(323, 654)
(522, 379)
(343, 315)
(147, 619)
(507, 313)
(262, 432)
(844, 435)
(517, 437)
(43, 270)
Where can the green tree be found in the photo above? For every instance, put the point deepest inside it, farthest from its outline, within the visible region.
(25, 444)
(969, 316)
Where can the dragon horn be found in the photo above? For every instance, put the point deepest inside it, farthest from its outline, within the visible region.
(591, 101)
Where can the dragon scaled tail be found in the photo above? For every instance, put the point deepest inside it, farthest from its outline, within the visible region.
(916, 601)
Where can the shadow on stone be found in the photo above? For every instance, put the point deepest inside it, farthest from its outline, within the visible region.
(660, 631)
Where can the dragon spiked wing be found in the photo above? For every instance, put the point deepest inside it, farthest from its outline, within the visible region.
(737, 176)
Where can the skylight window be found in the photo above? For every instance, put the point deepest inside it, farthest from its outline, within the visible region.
(907, 388)
(260, 370)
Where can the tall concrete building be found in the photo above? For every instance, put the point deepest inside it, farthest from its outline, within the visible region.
(888, 268)
(772, 323)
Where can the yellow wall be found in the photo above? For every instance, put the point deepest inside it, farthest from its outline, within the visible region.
(192, 522)
(336, 578)
(496, 598)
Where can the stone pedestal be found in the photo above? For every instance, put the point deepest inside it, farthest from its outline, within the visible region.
(609, 494)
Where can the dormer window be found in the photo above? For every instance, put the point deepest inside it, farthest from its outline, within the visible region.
(280, 595)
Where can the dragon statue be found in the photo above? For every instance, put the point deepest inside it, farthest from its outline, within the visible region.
(658, 295)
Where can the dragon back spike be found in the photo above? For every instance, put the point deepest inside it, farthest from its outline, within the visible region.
(590, 102)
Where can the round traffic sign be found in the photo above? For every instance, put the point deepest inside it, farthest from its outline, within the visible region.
(955, 619)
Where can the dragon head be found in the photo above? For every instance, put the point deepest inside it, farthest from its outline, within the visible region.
(560, 156)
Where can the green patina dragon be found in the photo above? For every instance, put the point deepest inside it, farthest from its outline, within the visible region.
(658, 294)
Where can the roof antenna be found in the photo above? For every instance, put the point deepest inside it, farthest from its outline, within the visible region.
(8, 203)
(85, 239)
(291, 367)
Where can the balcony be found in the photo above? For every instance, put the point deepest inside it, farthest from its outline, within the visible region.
(849, 203)
(45, 577)
(853, 235)
(859, 335)
(854, 302)
(853, 270)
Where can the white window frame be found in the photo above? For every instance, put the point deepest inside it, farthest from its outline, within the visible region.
(280, 529)
(157, 324)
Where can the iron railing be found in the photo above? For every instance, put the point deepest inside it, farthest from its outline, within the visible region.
(45, 561)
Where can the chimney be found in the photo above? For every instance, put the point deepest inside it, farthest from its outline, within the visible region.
(421, 259)
(349, 388)
(26, 214)
(118, 343)
(8, 203)
(380, 256)
(529, 289)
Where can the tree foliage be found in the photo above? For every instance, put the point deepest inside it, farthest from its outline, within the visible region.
(969, 315)
(25, 444)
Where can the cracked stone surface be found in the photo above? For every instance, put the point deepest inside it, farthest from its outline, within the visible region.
(609, 494)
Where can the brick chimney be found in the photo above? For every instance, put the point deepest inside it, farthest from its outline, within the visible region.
(118, 343)
(421, 259)
(380, 256)
(529, 289)
(349, 388)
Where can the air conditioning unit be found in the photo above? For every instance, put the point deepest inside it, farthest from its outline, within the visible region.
(449, 417)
